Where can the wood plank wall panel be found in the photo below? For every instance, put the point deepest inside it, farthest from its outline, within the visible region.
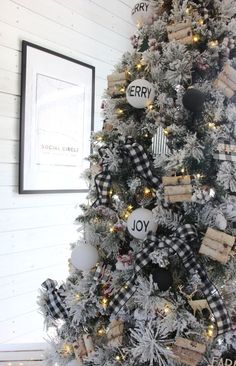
(36, 230)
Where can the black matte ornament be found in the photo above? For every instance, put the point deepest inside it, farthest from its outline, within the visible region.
(228, 357)
(232, 53)
(193, 100)
(163, 278)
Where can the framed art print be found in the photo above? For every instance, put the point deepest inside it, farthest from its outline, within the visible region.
(57, 108)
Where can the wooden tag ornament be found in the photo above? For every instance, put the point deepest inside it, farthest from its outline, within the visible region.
(79, 348)
(217, 245)
(188, 352)
(117, 83)
(226, 151)
(115, 333)
(181, 32)
(226, 81)
(83, 347)
(88, 342)
(177, 189)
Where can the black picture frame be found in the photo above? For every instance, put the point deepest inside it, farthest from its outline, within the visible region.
(57, 92)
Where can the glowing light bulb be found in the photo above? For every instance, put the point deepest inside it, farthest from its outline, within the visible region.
(211, 125)
(104, 301)
(130, 207)
(198, 176)
(138, 66)
(166, 131)
(201, 21)
(196, 38)
(182, 170)
(67, 349)
(147, 190)
(101, 331)
(78, 296)
(213, 43)
(166, 309)
(119, 111)
(99, 138)
(210, 332)
(117, 358)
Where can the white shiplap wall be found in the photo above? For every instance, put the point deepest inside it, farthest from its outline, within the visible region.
(35, 230)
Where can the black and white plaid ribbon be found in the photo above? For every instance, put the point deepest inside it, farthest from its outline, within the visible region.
(176, 244)
(103, 186)
(140, 162)
(226, 150)
(55, 300)
(103, 180)
(102, 273)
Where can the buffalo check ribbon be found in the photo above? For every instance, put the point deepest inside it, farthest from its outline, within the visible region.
(140, 162)
(178, 243)
(226, 150)
(102, 273)
(103, 180)
(54, 299)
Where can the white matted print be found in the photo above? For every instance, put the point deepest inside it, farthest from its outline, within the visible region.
(57, 108)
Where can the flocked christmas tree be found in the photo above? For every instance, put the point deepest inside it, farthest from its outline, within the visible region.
(152, 278)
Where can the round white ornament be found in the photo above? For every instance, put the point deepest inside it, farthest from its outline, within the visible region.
(140, 93)
(84, 256)
(140, 222)
(142, 13)
(74, 363)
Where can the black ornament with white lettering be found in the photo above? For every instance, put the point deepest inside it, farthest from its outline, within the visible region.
(193, 100)
(162, 277)
(228, 358)
(140, 93)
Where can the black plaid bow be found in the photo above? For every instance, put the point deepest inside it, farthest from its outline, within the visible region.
(177, 244)
(140, 163)
(55, 300)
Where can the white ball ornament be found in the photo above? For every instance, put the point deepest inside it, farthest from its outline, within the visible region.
(140, 222)
(84, 256)
(74, 363)
(142, 13)
(140, 93)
